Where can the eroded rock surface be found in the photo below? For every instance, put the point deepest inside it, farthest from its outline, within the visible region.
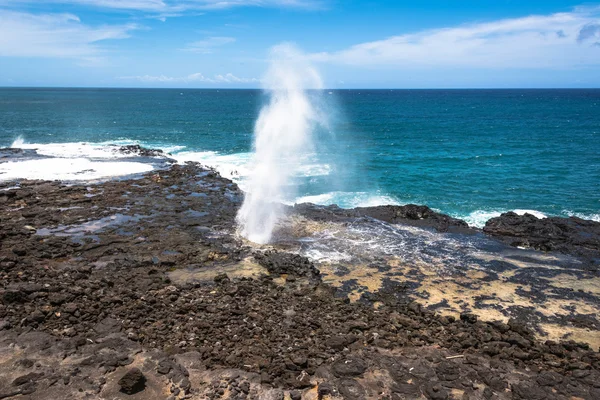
(86, 297)
(568, 235)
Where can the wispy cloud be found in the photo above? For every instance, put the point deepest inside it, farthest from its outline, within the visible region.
(192, 78)
(562, 40)
(207, 45)
(170, 6)
(55, 35)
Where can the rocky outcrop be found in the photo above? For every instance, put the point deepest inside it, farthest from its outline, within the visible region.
(88, 309)
(410, 214)
(137, 150)
(416, 215)
(567, 235)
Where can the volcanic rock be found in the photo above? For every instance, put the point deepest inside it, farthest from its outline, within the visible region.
(567, 235)
(132, 382)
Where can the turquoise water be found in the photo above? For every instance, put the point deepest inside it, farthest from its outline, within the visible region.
(469, 153)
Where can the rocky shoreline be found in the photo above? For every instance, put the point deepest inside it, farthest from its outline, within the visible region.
(97, 303)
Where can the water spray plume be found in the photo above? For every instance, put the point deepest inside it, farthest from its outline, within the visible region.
(282, 136)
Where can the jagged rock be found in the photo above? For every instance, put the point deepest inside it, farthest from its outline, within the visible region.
(132, 382)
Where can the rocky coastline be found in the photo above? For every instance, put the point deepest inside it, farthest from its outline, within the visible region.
(96, 302)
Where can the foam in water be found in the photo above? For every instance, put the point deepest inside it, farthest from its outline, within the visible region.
(71, 162)
(18, 142)
(282, 136)
(69, 169)
(349, 199)
(480, 217)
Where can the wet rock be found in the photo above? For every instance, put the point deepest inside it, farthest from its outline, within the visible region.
(132, 382)
(568, 235)
(136, 149)
(468, 317)
(221, 278)
(413, 214)
(500, 326)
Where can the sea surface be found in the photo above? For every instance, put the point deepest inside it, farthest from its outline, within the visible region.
(469, 153)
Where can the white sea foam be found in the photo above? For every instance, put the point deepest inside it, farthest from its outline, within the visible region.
(69, 169)
(480, 217)
(592, 217)
(18, 143)
(349, 199)
(230, 166)
(72, 150)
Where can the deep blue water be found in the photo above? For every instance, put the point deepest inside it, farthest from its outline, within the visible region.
(465, 152)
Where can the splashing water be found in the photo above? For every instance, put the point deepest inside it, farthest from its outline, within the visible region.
(282, 136)
(18, 142)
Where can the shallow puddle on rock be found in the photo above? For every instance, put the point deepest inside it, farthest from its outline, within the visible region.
(244, 269)
(587, 285)
(90, 226)
(452, 273)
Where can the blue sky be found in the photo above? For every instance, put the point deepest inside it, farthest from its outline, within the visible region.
(372, 44)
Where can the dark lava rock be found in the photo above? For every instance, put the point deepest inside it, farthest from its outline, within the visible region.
(31, 377)
(164, 367)
(568, 235)
(107, 325)
(468, 317)
(14, 296)
(351, 390)
(287, 263)
(37, 316)
(349, 367)
(435, 391)
(325, 389)
(132, 382)
(221, 278)
(528, 392)
(20, 251)
(138, 150)
(410, 214)
(340, 342)
(413, 214)
(295, 395)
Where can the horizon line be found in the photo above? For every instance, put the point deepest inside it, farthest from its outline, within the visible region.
(324, 89)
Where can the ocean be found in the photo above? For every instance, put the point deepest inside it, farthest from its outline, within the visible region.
(469, 153)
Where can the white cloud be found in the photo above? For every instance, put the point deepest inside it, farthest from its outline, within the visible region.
(207, 45)
(54, 35)
(562, 40)
(192, 78)
(168, 6)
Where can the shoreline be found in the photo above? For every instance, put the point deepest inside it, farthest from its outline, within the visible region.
(149, 274)
(80, 162)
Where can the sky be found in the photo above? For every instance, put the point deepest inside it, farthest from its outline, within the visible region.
(352, 43)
